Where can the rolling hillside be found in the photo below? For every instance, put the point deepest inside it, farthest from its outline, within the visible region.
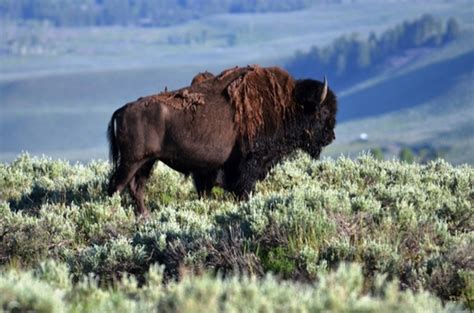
(433, 90)
(428, 103)
(59, 102)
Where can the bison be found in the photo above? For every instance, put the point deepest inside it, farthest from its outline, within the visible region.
(226, 130)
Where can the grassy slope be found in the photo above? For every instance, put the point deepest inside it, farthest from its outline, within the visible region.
(257, 37)
(435, 89)
(67, 115)
(428, 101)
(408, 224)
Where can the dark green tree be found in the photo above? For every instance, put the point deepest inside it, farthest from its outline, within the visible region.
(406, 155)
(350, 58)
(377, 153)
(452, 30)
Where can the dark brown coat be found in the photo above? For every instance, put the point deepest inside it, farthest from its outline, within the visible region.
(228, 130)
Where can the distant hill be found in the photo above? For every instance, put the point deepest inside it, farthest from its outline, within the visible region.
(407, 89)
(140, 12)
(351, 58)
(425, 105)
(59, 85)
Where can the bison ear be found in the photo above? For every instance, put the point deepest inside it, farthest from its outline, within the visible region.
(310, 94)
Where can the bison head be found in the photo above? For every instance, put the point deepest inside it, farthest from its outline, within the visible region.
(319, 106)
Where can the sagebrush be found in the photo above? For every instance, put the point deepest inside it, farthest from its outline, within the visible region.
(339, 235)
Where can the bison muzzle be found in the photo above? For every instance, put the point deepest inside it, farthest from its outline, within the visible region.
(226, 130)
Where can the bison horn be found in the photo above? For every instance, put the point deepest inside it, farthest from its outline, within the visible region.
(325, 91)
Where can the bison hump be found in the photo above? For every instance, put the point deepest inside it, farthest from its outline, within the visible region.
(262, 98)
(182, 99)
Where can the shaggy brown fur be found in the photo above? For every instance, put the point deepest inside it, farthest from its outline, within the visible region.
(262, 98)
(181, 99)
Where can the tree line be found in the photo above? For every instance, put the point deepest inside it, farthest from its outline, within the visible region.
(420, 154)
(136, 12)
(350, 58)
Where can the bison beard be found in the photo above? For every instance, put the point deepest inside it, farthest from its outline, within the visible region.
(226, 130)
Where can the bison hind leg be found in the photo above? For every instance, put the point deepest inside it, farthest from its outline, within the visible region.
(137, 186)
(122, 175)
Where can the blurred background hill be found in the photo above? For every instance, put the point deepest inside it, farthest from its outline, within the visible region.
(403, 70)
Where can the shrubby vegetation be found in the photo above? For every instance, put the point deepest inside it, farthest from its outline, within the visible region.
(422, 154)
(338, 235)
(48, 289)
(351, 58)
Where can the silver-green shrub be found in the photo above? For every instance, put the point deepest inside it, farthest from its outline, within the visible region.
(45, 290)
(412, 224)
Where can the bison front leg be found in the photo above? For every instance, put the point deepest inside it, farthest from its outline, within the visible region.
(242, 182)
(204, 182)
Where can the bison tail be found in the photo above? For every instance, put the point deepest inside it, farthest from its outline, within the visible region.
(113, 147)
